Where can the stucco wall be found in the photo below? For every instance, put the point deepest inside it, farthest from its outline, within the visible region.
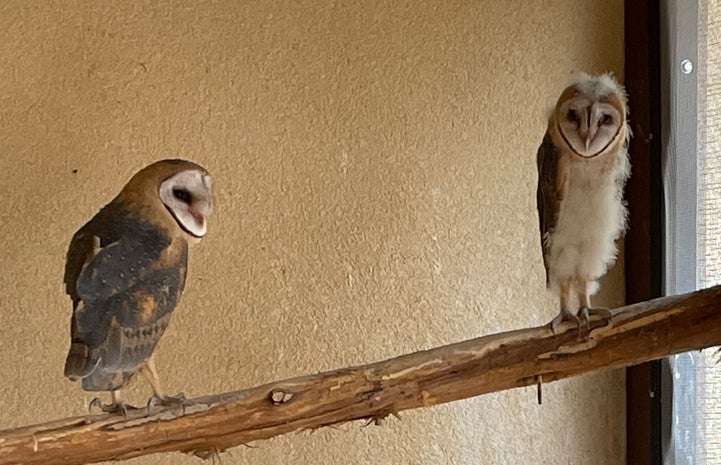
(375, 172)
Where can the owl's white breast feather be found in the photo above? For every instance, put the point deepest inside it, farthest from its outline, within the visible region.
(592, 216)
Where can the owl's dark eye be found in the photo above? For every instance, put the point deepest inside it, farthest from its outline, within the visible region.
(182, 195)
(572, 116)
(605, 119)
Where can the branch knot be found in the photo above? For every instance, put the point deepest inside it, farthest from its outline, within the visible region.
(279, 396)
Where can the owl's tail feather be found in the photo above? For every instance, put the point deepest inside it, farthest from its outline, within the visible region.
(81, 361)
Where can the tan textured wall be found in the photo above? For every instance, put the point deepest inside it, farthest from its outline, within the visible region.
(375, 172)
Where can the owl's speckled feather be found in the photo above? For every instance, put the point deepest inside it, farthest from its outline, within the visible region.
(122, 297)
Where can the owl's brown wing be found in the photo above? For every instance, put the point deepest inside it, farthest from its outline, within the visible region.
(124, 294)
(547, 195)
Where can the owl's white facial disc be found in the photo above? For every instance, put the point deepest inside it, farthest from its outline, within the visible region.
(588, 126)
(188, 195)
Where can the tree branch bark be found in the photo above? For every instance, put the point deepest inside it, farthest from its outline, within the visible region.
(211, 424)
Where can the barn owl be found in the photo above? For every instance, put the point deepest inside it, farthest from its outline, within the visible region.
(583, 166)
(125, 272)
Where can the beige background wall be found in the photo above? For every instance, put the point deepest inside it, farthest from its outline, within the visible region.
(375, 172)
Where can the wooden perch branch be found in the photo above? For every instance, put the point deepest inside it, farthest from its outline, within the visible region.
(641, 332)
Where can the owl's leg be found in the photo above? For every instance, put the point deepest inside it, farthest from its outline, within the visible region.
(565, 313)
(159, 398)
(586, 311)
(118, 405)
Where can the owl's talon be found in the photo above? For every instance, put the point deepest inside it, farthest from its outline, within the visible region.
(603, 312)
(96, 402)
(114, 408)
(177, 400)
(585, 314)
(564, 315)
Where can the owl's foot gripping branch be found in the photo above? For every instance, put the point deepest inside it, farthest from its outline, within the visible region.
(208, 425)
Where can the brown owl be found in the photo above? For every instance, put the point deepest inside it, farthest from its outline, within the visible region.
(125, 272)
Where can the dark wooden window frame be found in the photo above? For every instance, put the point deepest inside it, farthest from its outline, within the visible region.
(644, 240)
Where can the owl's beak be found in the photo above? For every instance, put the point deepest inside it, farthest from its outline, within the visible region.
(590, 135)
(198, 217)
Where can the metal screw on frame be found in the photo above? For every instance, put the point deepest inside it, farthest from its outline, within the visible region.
(686, 66)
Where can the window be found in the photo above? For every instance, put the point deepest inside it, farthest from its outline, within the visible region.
(691, 141)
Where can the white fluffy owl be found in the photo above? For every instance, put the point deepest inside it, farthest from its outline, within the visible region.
(582, 169)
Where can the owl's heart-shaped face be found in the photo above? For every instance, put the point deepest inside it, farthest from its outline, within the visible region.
(589, 126)
(590, 115)
(188, 195)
